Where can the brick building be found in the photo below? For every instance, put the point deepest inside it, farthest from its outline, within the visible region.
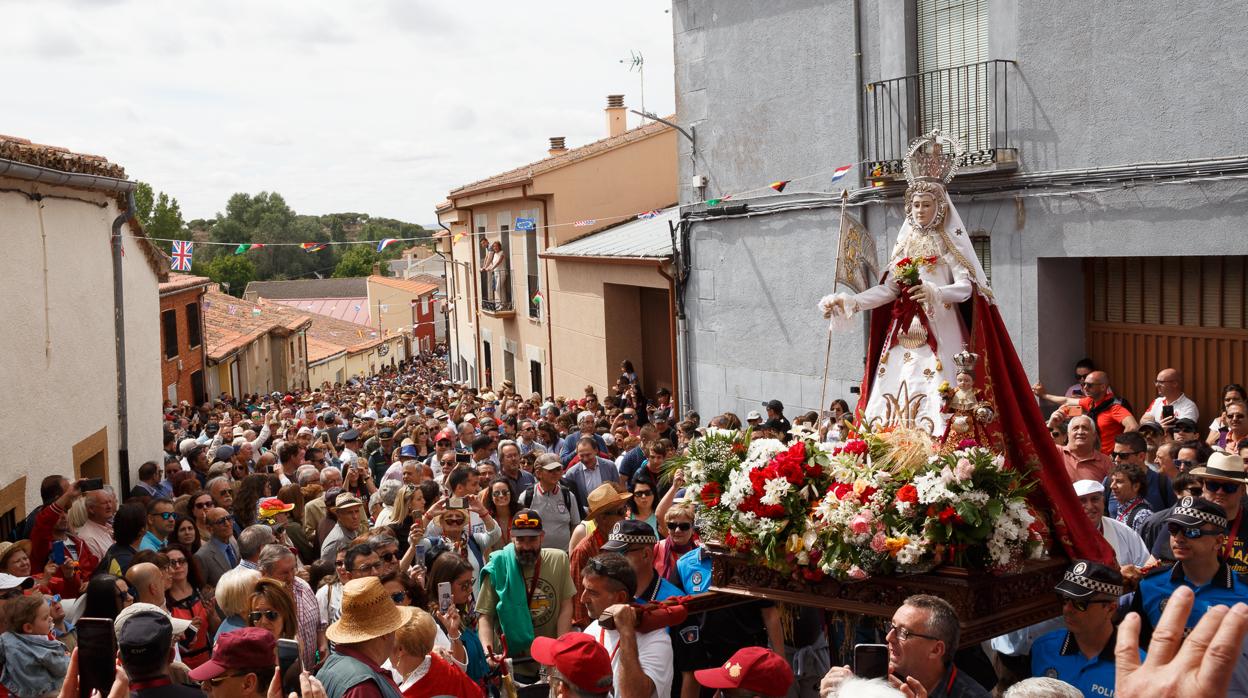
(182, 337)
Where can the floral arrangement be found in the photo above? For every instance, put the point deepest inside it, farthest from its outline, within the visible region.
(906, 271)
(889, 502)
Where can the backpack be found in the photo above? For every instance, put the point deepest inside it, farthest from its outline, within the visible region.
(525, 500)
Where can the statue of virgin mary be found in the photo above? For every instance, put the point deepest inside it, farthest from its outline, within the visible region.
(932, 303)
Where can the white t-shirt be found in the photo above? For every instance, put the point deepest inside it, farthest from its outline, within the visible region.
(1184, 408)
(654, 651)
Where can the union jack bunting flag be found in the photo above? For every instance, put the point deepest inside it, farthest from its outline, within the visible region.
(182, 255)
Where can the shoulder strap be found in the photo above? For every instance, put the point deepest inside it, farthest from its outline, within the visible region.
(526, 497)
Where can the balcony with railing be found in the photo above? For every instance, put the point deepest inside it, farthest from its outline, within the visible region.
(496, 296)
(970, 102)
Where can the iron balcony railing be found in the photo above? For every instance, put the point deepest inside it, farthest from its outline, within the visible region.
(496, 299)
(970, 102)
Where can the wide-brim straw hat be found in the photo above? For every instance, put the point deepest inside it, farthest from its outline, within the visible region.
(603, 496)
(368, 612)
(1228, 467)
(7, 549)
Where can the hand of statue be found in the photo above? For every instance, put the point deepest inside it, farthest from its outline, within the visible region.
(1038, 389)
(833, 306)
(1199, 665)
(923, 293)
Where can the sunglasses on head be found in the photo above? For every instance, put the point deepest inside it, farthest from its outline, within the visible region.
(679, 525)
(524, 522)
(1190, 532)
(1221, 486)
(270, 614)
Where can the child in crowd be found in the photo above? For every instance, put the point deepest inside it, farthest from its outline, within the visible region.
(33, 664)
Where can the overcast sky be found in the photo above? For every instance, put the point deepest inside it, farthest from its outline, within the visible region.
(377, 106)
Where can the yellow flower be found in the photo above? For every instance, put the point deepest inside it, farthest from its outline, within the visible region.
(860, 485)
(895, 544)
(795, 543)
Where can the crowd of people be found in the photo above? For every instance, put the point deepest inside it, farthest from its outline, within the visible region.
(404, 535)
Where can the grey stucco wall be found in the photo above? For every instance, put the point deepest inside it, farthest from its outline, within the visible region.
(770, 89)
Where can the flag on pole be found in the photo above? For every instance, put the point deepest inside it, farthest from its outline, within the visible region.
(313, 246)
(182, 250)
(779, 186)
(856, 265)
(841, 172)
(385, 243)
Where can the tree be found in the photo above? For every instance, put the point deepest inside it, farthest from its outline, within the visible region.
(160, 215)
(357, 261)
(236, 271)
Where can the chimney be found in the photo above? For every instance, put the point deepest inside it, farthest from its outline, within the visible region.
(557, 145)
(376, 268)
(617, 119)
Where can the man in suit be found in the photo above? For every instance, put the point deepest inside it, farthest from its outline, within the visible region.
(220, 553)
(590, 471)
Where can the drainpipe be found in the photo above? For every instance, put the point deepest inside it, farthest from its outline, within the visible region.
(550, 344)
(680, 272)
(672, 330)
(119, 327)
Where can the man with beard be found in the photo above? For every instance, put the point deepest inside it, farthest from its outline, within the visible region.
(526, 592)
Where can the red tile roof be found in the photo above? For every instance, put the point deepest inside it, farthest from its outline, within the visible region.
(181, 282)
(57, 158)
(412, 286)
(232, 323)
(354, 310)
(332, 336)
(527, 172)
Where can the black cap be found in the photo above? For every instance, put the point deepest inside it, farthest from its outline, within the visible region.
(1185, 424)
(212, 428)
(1092, 581)
(349, 435)
(661, 416)
(145, 639)
(385, 433)
(1151, 426)
(629, 532)
(526, 523)
(774, 405)
(1197, 511)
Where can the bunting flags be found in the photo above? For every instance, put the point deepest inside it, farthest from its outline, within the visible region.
(585, 223)
(247, 246)
(537, 298)
(713, 202)
(779, 186)
(385, 243)
(313, 246)
(649, 214)
(182, 250)
(457, 237)
(841, 172)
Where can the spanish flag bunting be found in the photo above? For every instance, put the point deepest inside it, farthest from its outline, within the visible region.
(779, 186)
(457, 237)
(313, 246)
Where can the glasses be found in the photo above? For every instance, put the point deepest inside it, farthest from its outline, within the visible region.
(903, 633)
(339, 563)
(1217, 486)
(373, 567)
(1190, 533)
(1183, 464)
(1124, 454)
(177, 562)
(270, 614)
(398, 596)
(389, 557)
(500, 494)
(1081, 605)
(454, 521)
(1236, 417)
(204, 505)
(223, 519)
(679, 525)
(643, 493)
(167, 516)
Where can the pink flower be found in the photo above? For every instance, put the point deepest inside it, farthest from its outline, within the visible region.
(856, 573)
(946, 475)
(964, 470)
(861, 523)
(878, 543)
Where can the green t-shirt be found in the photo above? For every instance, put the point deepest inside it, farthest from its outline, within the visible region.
(554, 588)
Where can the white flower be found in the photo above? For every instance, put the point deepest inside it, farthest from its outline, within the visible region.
(739, 487)
(761, 451)
(716, 431)
(932, 489)
(696, 470)
(774, 490)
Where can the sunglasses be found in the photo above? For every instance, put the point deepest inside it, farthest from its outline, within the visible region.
(1190, 533)
(1081, 605)
(1217, 486)
(679, 526)
(454, 521)
(223, 519)
(398, 596)
(177, 562)
(1183, 464)
(270, 614)
(389, 557)
(643, 493)
(204, 505)
(500, 494)
(1123, 454)
(167, 516)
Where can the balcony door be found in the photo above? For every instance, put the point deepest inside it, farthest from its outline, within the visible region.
(953, 88)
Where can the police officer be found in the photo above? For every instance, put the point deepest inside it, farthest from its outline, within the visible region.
(1197, 529)
(1082, 655)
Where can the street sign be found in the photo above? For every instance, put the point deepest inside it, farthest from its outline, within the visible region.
(526, 224)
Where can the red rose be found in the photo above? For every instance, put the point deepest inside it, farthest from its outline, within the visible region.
(857, 447)
(842, 490)
(710, 494)
(967, 443)
(948, 515)
(866, 495)
(908, 493)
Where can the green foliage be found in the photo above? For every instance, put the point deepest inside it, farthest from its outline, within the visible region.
(160, 215)
(358, 260)
(237, 271)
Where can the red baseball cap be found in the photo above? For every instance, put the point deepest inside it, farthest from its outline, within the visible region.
(755, 669)
(579, 659)
(245, 648)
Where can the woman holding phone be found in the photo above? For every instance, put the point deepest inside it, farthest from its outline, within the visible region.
(456, 618)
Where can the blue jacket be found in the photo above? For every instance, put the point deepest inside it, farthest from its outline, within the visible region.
(33, 664)
(576, 478)
(567, 449)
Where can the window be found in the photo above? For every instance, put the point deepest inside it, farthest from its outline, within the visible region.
(952, 34)
(169, 324)
(12, 506)
(489, 362)
(535, 376)
(509, 365)
(194, 330)
(197, 387)
(982, 244)
(532, 268)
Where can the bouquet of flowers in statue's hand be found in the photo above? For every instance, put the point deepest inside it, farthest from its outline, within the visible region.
(906, 271)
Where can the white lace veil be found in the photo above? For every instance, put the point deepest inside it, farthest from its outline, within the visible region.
(957, 241)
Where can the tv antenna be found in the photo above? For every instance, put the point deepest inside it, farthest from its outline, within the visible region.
(637, 62)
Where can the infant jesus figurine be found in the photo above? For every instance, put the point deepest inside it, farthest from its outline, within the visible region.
(968, 414)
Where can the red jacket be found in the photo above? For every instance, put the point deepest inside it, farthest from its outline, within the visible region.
(68, 585)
